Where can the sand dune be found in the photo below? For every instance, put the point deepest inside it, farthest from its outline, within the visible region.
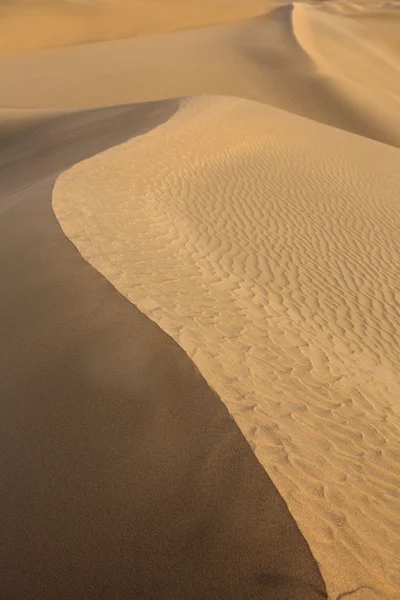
(122, 473)
(268, 247)
(344, 52)
(261, 233)
(27, 25)
(262, 59)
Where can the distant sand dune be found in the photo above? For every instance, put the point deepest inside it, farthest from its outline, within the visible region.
(267, 59)
(343, 52)
(27, 25)
(268, 246)
(377, 22)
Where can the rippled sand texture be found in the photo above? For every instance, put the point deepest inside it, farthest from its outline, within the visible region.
(268, 247)
(265, 241)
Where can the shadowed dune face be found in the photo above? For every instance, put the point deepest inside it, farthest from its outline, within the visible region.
(123, 475)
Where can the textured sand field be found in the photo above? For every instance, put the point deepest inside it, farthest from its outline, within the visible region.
(268, 247)
(259, 227)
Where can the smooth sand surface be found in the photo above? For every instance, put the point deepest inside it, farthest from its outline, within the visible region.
(122, 473)
(27, 25)
(258, 227)
(270, 59)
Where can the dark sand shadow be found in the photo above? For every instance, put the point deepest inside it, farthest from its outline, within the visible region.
(122, 474)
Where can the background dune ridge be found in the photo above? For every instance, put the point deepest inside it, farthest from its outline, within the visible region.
(28, 25)
(342, 50)
(274, 58)
(267, 246)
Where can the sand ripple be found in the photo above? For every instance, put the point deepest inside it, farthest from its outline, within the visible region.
(268, 246)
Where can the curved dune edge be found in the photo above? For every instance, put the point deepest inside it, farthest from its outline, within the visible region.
(277, 59)
(36, 25)
(267, 246)
(116, 456)
(343, 51)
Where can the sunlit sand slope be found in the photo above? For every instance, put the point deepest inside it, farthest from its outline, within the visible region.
(268, 246)
(292, 58)
(27, 25)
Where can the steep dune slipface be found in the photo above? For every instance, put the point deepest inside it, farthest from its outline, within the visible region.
(268, 247)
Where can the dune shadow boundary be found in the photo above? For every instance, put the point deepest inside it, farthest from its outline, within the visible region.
(123, 474)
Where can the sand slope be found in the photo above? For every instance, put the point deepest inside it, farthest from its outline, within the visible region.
(264, 239)
(344, 52)
(268, 247)
(274, 59)
(122, 473)
(27, 25)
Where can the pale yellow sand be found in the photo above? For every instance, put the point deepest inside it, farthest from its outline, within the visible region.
(279, 58)
(27, 25)
(265, 243)
(344, 51)
(268, 247)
